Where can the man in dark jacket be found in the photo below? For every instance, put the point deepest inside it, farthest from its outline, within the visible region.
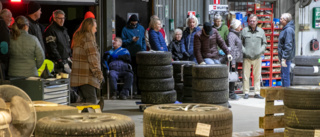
(286, 47)
(117, 62)
(57, 43)
(4, 46)
(34, 13)
(205, 45)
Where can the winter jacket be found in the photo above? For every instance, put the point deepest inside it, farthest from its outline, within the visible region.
(177, 50)
(147, 37)
(157, 42)
(26, 56)
(187, 40)
(4, 38)
(127, 35)
(57, 42)
(117, 60)
(235, 43)
(223, 31)
(35, 30)
(207, 46)
(254, 42)
(86, 68)
(287, 46)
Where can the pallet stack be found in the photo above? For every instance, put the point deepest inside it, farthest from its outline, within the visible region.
(270, 122)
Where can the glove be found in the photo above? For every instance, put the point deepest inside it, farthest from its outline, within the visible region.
(69, 60)
(229, 57)
(203, 63)
(186, 54)
(221, 52)
(283, 63)
(67, 68)
(114, 56)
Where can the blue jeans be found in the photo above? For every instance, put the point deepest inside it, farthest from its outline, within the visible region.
(127, 80)
(211, 61)
(285, 74)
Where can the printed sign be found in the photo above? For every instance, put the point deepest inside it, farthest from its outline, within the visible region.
(203, 129)
(213, 8)
(216, 1)
(192, 13)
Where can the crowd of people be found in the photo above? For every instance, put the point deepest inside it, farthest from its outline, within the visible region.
(24, 48)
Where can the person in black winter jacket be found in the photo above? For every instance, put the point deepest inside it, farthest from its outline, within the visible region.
(176, 48)
(57, 42)
(34, 13)
(4, 45)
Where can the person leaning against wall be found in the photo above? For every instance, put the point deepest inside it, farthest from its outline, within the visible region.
(287, 47)
(254, 45)
(86, 71)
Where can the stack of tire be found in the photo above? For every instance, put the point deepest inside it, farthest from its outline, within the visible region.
(180, 120)
(187, 83)
(182, 82)
(210, 84)
(155, 79)
(302, 111)
(306, 71)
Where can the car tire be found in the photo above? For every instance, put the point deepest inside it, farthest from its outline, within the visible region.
(172, 120)
(154, 58)
(154, 71)
(210, 71)
(89, 125)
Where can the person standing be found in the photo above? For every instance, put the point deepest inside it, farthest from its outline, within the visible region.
(133, 40)
(34, 14)
(4, 41)
(286, 47)
(235, 44)
(26, 53)
(175, 47)
(254, 45)
(86, 69)
(117, 62)
(57, 43)
(157, 42)
(223, 32)
(188, 36)
(206, 44)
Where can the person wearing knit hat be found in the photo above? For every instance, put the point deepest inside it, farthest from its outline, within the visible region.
(89, 14)
(34, 14)
(133, 39)
(235, 45)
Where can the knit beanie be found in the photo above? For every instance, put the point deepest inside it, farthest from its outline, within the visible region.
(235, 23)
(133, 17)
(89, 14)
(33, 7)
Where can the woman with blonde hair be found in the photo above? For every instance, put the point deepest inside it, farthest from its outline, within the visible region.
(188, 36)
(152, 18)
(86, 69)
(26, 54)
(156, 39)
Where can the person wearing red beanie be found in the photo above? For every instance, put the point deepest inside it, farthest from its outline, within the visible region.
(89, 14)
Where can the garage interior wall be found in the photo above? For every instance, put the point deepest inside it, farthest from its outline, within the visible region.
(304, 16)
(178, 10)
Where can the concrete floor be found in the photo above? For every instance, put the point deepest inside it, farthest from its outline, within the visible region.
(246, 113)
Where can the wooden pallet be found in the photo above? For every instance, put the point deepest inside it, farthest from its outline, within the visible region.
(270, 121)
